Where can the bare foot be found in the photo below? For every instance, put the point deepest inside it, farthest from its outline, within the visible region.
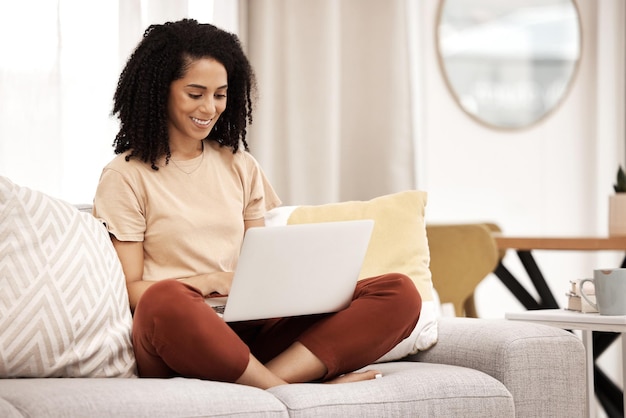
(356, 377)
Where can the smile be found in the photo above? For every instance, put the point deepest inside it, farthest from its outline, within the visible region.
(201, 122)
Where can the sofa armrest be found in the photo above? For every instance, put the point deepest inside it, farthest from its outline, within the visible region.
(543, 367)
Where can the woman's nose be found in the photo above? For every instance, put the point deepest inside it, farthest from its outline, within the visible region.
(208, 105)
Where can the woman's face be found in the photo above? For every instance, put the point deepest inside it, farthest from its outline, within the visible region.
(196, 101)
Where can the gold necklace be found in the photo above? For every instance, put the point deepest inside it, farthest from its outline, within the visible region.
(196, 167)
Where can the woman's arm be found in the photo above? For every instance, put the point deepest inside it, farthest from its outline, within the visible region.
(130, 254)
(253, 223)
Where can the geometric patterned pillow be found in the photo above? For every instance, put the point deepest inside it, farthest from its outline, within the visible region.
(63, 303)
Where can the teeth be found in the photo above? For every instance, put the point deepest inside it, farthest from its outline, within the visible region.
(201, 122)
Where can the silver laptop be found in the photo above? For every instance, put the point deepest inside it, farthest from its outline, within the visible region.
(296, 270)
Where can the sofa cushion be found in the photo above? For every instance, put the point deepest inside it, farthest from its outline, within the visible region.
(136, 398)
(398, 244)
(406, 390)
(63, 308)
(8, 411)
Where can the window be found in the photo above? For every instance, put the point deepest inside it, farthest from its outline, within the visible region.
(58, 72)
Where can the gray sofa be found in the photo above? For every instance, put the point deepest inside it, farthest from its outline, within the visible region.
(478, 368)
(69, 316)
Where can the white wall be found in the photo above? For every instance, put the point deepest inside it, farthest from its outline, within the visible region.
(552, 179)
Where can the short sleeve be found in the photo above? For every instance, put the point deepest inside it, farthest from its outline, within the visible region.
(118, 206)
(261, 196)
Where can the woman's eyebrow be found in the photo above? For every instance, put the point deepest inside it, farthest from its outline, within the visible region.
(199, 86)
(196, 86)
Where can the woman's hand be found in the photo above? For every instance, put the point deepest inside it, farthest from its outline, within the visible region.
(219, 282)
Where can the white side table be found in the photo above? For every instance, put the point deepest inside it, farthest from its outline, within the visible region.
(586, 322)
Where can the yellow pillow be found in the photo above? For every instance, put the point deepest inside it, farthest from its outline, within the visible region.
(398, 245)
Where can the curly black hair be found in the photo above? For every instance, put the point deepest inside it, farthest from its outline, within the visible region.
(163, 56)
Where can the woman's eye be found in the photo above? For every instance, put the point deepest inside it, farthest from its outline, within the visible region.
(195, 96)
(220, 96)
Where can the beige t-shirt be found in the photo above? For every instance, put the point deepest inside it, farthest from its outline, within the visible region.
(188, 214)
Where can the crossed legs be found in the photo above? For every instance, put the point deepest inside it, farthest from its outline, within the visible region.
(176, 334)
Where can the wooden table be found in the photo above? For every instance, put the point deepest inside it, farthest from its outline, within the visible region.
(609, 395)
(561, 243)
(587, 322)
(524, 247)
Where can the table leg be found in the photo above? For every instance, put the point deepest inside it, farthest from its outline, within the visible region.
(587, 337)
(547, 298)
(624, 369)
(515, 287)
(608, 394)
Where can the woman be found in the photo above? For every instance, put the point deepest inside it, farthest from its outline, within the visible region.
(177, 201)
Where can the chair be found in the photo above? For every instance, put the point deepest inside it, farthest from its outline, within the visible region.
(461, 256)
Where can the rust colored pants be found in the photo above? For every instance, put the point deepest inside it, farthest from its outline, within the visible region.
(175, 333)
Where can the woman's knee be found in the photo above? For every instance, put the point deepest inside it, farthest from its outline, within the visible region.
(173, 326)
(171, 305)
(398, 288)
(407, 293)
(163, 294)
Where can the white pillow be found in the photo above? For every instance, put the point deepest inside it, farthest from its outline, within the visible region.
(63, 304)
(398, 244)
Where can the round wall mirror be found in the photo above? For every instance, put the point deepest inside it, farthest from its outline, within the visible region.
(508, 63)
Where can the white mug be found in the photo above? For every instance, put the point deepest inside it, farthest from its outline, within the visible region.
(610, 286)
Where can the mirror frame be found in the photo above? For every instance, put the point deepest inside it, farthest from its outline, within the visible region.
(537, 121)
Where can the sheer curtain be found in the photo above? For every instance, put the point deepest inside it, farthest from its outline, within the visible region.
(334, 115)
(56, 77)
(59, 65)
